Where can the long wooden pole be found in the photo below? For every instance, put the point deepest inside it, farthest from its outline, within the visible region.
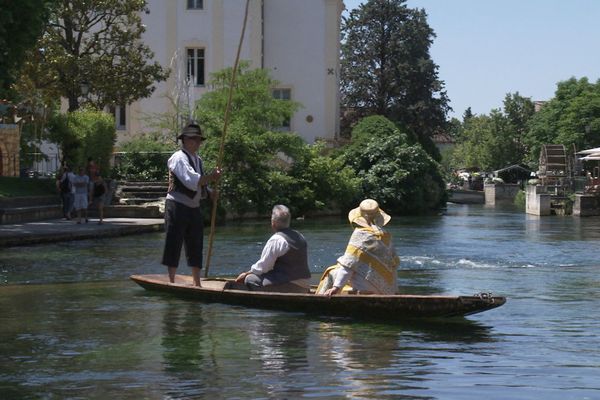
(213, 217)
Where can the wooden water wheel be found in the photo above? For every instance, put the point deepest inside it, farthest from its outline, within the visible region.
(554, 164)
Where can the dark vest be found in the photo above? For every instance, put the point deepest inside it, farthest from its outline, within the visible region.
(176, 185)
(293, 264)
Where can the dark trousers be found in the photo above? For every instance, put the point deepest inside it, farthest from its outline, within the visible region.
(184, 226)
(67, 202)
(264, 284)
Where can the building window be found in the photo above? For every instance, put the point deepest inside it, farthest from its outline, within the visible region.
(283, 94)
(195, 66)
(120, 115)
(195, 4)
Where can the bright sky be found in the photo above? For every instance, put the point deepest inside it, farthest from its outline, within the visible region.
(487, 48)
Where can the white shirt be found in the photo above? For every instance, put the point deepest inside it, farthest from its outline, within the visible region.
(179, 164)
(275, 247)
(81, 183)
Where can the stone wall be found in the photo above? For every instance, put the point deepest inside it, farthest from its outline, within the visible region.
(10, 137)
(586, 205)
(500, 192)
(537, 200)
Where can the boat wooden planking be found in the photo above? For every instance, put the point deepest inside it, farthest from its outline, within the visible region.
(382, 307)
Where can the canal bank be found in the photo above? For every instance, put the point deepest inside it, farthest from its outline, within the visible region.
(59, 230)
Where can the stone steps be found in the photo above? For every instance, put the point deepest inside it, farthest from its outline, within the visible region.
(138, 184)
(140, 193)
(16, 215)
(144, 189)
(14, 210)
(29, 201)
(139, 201)
(144, 194)
(128, 211)
(128, 200)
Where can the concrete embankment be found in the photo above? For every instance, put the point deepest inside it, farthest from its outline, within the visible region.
(59, 230)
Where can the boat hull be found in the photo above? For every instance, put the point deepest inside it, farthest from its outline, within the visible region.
(380, 307)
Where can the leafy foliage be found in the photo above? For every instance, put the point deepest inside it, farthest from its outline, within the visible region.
(571, 118)
(98, 42)
(321, 181)
(520, 200)
(386, 68)
(143, 159)
(21, 24)
(263, 166)
(17, 187)
(401, 176)
(494, 141)
(82, 134)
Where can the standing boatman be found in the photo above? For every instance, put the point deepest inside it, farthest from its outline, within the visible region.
(188, 184)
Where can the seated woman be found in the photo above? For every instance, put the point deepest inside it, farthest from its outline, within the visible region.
(370, 263)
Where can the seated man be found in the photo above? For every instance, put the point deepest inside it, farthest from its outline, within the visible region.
(283, 265)
(370, 263)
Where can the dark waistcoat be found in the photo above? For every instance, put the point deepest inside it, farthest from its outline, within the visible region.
(175, 184)
(293, 264)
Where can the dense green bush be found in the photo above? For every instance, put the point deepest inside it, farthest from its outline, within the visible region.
(143, 159)
(17, 187)
(520, 199)
(317, 182)
(84, 133)
(401, 176)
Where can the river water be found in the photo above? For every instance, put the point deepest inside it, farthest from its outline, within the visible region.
(72, 326)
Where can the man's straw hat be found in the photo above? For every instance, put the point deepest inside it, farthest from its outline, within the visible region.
(368, 211)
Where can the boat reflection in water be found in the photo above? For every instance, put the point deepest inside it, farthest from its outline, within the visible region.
(257, 353)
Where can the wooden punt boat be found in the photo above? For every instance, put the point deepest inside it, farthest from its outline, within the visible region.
(381, 307)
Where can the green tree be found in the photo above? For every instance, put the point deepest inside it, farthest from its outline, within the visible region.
(467, 115)
(21, 24)
(401, 176)
(263, 166)
(518, 111)
(82, 134)
(99, 43)
(479, 141)
(571, 117)
(494, 141)
(386, 68)
(455, 127)
(143, 159)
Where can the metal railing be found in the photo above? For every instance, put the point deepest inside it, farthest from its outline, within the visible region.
(40, 165)
(44, 165)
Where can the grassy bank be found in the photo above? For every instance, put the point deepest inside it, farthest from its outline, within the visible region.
(17, 187)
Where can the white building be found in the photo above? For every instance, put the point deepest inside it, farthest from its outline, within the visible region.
(297, 40)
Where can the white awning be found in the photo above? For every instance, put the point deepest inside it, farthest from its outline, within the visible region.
(590, 151)
(590, 157)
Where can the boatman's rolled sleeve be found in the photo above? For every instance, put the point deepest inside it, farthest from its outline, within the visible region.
(275, 247)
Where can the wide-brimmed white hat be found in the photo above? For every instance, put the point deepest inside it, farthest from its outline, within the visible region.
(368, 210)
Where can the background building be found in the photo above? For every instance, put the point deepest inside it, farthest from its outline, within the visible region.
(298, 41)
